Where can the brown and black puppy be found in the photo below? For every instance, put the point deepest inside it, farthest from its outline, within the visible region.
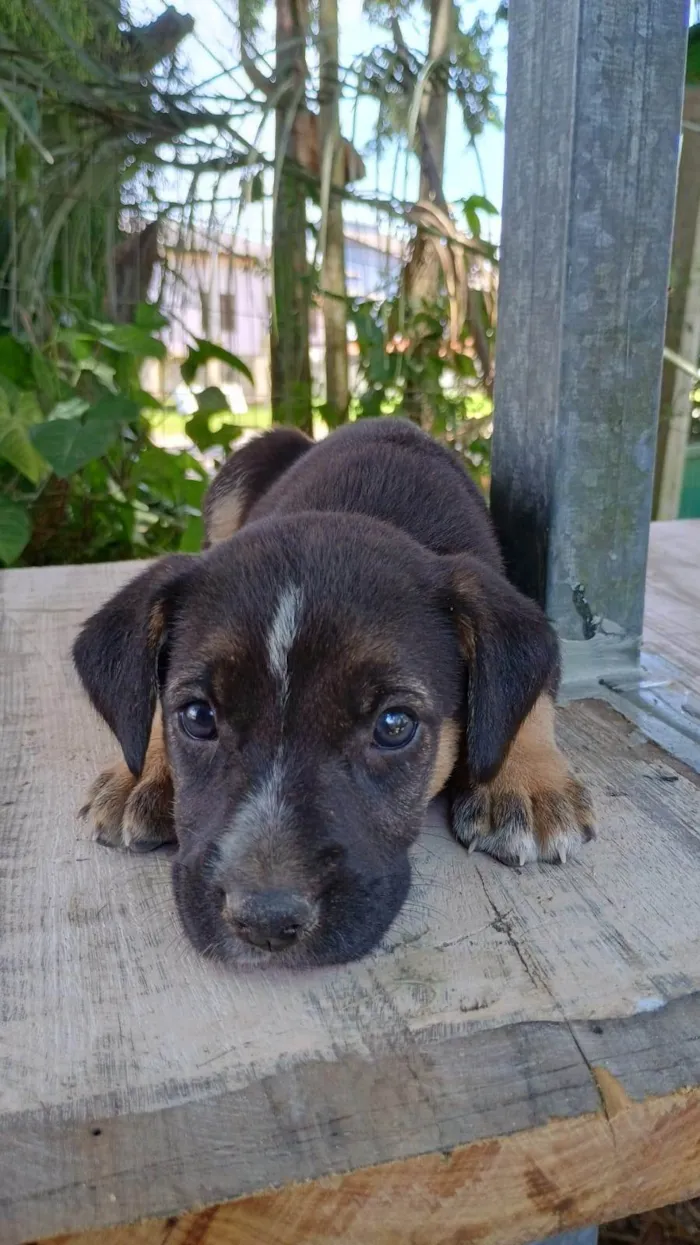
(289, 701)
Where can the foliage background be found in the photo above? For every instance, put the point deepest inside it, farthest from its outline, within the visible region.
(109, 135)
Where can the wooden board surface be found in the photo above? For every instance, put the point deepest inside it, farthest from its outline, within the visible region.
(137, 1080)
(527, 1185)
(672, 606)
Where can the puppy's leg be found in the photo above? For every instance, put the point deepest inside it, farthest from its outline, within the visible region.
(136, 813)
(534, 809)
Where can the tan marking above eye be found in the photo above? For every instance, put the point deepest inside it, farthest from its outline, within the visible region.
(445, 757)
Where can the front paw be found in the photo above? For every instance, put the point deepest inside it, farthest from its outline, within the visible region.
(135, 813)
(519, 822)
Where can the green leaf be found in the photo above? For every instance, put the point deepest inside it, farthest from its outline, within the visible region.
(146, 399)
(115, 409)
(9, 393)
(328, 414)
(27, 408)
(72, 408)
(68, 444)
(25, 163)
(79, 344)
(193, 490)
(15, 530)
(472, 206)
(482, 204)
(162, 472)
(130, 339)
(464, 365)
(202, 352)
(473, 221)
(45, 377)
(15, 361)
(198, 430)
(148, 316)
(193, 535)
(100, 370)
(17, 449)
(212, 401)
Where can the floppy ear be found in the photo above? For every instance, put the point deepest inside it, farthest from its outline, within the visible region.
(511, 654)
(119, 651)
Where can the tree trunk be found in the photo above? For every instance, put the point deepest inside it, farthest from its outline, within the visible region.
(132, 263)
(682, 322)
(333, 270)
(291, 374)
(421, 278)
(423, 275)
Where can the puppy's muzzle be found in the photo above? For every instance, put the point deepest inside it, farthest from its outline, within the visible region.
(273, 919)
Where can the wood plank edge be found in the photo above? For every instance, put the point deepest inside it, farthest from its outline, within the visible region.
(629, 1157)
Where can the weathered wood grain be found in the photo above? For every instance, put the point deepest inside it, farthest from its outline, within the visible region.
(511, 1189)
(672, 606)
(472, 1026)
(628, 1151)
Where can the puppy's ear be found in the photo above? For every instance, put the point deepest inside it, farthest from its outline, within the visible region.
(511, 655)
(119, 651)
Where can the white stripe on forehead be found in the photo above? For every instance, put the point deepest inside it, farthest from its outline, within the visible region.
(283, 632)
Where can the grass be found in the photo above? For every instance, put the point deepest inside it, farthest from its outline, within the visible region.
(169, 425)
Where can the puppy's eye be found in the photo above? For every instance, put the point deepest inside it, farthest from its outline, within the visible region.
(394, 728)
(197, 720)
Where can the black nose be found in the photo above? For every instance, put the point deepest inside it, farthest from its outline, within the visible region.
(270, 919)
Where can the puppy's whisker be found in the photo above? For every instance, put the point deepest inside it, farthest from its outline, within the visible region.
(426, 909)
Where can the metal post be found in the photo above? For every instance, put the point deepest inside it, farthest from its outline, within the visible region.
(584, 1236)
(592, 133)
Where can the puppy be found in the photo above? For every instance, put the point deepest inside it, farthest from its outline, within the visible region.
(289, 701)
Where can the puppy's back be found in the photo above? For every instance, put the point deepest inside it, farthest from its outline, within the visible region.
(390, 470)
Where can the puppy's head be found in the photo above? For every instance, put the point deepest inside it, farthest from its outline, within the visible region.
(321, 677)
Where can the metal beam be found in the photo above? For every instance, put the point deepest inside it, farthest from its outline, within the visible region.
(592, 135)
(584, 1236)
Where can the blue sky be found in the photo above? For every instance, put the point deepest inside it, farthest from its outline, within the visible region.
(213, 46)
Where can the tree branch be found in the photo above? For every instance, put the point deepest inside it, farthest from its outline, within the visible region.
(148, 45)
(426, 157)
(259, 80)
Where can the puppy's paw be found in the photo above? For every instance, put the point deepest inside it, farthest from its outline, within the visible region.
(525, 821)
(135, 813)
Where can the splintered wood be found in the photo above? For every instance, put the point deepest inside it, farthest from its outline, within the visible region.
(519, 1056)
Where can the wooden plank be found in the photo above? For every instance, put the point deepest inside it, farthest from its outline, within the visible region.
(627, 1154)
(633, 1156)
(592, 134)
(672, 606)
(470, 1025)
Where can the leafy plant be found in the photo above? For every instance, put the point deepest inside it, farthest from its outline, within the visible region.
(403, 354)
(80, 477)
(471, 208)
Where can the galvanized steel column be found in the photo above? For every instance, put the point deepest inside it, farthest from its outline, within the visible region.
(595, 90)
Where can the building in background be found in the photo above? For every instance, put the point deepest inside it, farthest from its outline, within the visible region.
(220, 288)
